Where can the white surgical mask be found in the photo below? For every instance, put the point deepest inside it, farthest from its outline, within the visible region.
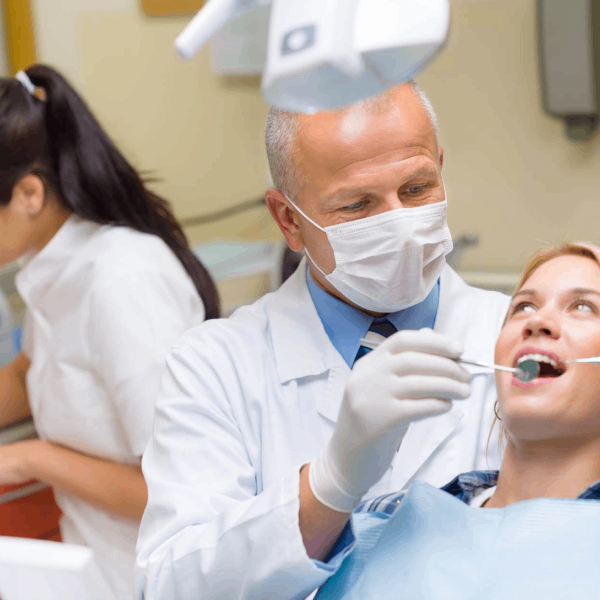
(390, 261)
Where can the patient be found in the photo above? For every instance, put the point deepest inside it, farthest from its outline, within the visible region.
(541, 536)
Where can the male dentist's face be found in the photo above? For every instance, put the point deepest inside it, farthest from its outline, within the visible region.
(359, 163)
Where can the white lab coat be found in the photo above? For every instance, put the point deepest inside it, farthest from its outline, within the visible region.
(243, 404)
(104, 306)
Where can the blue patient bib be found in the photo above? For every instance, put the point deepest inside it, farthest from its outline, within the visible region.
(436, 547)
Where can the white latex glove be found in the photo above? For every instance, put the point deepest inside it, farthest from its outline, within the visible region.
(410, 376)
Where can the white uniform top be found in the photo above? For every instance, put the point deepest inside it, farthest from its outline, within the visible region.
(243, 404)
(105, 304)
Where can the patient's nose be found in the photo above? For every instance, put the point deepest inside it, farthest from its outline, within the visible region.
(541, 324)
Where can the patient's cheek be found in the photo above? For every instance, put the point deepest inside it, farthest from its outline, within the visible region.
(502, 352)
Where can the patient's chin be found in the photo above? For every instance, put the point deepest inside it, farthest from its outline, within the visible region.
(532, 418)
(548, 426)
(543, 414)
(533, 430)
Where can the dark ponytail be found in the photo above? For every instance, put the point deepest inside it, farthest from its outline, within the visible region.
(59, 140)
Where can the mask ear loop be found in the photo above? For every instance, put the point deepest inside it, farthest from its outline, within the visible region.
(317, 226)
(303, 214)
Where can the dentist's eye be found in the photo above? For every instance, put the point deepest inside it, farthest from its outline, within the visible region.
(355, 206)
(416, 189)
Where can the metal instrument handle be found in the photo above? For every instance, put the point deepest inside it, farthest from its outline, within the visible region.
(595, 360)
(373, 344)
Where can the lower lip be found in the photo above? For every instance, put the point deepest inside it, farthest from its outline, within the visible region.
(530, 384)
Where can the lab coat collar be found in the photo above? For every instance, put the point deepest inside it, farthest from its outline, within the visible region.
(45, 268)
(300, 343)
(302, 348)
(346, 325)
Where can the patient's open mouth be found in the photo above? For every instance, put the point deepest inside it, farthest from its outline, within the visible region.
(549, 364)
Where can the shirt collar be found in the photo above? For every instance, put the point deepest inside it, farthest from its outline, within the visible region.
(45, 267)
(467, 485)
(464, 487)
(345, 325)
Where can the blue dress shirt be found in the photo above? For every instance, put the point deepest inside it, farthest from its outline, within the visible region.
(346, 325)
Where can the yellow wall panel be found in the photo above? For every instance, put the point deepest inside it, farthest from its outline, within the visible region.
(171, 7)
(20, 44)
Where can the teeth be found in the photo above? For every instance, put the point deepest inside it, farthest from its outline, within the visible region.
(538, 358)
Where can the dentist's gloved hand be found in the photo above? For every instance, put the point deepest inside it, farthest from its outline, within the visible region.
(410, 376)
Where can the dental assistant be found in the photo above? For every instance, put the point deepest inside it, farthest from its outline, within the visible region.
(109, 283)
(258, 452)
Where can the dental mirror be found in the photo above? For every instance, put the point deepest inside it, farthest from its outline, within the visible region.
(527, 371)
(530, 369)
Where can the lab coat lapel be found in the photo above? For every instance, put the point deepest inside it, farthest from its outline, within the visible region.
(421, 441)
(329, 405)
(303, 349)
(459, 317)
(301, 345)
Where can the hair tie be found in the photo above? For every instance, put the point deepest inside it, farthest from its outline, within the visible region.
(24, 80)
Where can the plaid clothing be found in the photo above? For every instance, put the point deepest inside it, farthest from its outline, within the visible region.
(465, 487)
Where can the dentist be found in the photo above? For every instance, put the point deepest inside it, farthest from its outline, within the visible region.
(264, 438)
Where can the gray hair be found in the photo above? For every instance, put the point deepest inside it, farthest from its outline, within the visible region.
(282, 129)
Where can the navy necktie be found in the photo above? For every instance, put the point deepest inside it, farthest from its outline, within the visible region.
(380, 330)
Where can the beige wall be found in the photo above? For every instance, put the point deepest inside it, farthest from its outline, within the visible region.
(511, 174)
(201, 134)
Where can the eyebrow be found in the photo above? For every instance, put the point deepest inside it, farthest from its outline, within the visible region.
(580, 291)
(584, 291)
(526, 293)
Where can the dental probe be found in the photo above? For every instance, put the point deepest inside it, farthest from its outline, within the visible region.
(529, 373)
(595, 360)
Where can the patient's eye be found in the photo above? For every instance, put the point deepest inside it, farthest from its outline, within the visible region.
(583, 306)
(525, 307)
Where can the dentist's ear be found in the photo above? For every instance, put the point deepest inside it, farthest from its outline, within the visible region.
(28, 196)
(441, 156)
(286, 218)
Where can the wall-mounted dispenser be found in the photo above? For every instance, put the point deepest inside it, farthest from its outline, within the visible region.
(569, 43)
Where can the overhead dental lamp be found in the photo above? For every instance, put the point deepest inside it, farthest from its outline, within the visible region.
(323, 54)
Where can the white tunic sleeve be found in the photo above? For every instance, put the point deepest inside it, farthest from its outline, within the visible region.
(133, 322)
(206, 533)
